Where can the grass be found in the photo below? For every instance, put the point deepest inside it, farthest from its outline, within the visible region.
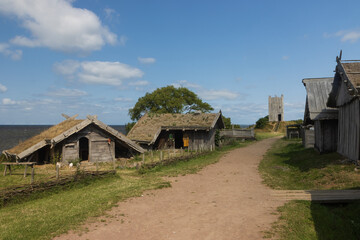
(287, 165)
(305, 220)
(47, 214)
(260, 135)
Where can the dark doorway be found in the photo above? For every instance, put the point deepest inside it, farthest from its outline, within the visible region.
(279, 117)
(84, 148)
(179, 139)
(44, 155)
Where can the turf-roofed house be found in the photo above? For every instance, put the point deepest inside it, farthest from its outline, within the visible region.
(324, 119)
(174, 130)
(87, 139)
(345, 96)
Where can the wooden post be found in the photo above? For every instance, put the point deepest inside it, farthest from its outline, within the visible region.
(97, 165)
(25, 171)
(169, 153)
(114, 163)
(5, 170)
(143, 157)
(57, 171)
(161, 155)
(152, 156)
(32, 174)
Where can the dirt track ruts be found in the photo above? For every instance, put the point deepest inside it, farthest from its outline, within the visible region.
(225, 200)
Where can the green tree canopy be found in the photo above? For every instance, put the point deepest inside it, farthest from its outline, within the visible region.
(168, 100)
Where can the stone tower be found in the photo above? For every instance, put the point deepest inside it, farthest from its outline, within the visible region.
(276, 108)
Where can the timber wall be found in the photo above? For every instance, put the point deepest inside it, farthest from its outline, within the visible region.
(326, 132)
(308, 138)
(349, 130)
(238, 133)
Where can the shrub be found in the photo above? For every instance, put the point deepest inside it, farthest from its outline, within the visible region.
(261, 123)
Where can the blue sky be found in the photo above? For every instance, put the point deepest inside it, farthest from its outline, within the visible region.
(99, 57)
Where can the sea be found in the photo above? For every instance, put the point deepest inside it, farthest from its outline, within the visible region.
(12, 135)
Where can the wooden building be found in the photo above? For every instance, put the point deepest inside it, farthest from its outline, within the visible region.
(191, 130)
(72, 139)
(345, 96)
(318, 114)
(276, 109)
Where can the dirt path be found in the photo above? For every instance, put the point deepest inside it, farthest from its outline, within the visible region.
(225, 200)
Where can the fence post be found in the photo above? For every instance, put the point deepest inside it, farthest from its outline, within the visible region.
(161, 156)
(152, 156)
(32, 174)
(169, 153)
(57, 171)
(26, 166)
(143, 157)
(97, 165)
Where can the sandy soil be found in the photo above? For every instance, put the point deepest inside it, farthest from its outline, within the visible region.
(225, 200)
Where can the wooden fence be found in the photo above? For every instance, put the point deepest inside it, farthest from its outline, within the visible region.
(238, 133)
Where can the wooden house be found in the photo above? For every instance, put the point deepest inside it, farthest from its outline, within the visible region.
(318, 114)
(345, 96)
(191, 130)
(72, 139)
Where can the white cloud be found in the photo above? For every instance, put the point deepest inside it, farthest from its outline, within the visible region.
(139, 83)
(8, 101)
(351, 36)
(67, 67)
(218, 94)
(58, 25)
(106, 73)
(285, 58)
(13, 54)
(111, 14)
(185, 83)
(66, 92)
(345, 35)
(146, 60)
(2, 88)
(122, 99)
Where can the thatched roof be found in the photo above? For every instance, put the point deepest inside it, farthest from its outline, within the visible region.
(149, 126)
(63, 130)
(318, 90)
(45, 135)
(352, 71)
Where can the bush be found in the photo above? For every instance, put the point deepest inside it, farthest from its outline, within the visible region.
(261, 123)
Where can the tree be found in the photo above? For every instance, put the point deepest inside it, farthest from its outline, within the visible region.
(227, 122)
(261, 123)
(168, 100)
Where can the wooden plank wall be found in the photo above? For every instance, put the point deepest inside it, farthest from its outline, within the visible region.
(308, 138)
(326, 135)
(349, 130)
(238, 133)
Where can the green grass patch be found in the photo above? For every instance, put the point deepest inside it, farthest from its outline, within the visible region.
(260, 135)
(305, 220)
(44, 215)
(287, 165)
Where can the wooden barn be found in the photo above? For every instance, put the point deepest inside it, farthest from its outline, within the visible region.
(72, 139)
(191, 130)
(318, 114)
(345, 96)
